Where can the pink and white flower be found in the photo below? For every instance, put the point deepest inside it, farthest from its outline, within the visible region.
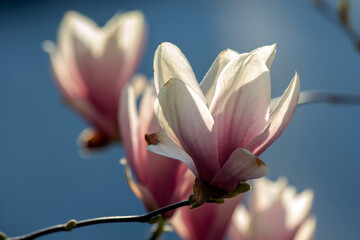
(160, 180)
(220, 127)
(275, 211)
(92, 64)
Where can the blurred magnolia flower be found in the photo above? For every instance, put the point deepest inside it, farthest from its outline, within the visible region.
(276, 211)
(91, 65)
(220, 127)
(210, 221)
(160, 181)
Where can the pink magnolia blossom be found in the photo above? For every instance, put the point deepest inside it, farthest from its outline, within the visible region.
(220, 127)
(210, 221)
(91, 65)
(160, 181)
(275, 212)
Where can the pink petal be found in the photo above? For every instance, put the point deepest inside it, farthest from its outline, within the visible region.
(140, 191)
(242, 165)
(240, 104)
(187, 121)
(269, 223)
(239, 227)
(170, 62)
(163, 179)
(104, 58)
(86, 110)
(66, 77)
(208, 84)
(100, 73)
(278, 120)
(210, 221)
(129, 123)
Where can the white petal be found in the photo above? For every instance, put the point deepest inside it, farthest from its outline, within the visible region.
(240, 104)
(188, 123)
(279, 118)
(240, 225)
(130, 38)
(266, 193)
(266, 53)
(170, 62)
(161, 144)
(306, 230)
(76, 26)
(298, 206)
(208, 84)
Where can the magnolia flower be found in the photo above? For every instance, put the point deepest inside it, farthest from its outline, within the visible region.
(160, 181)
(220, 127)
(275, 212)
(210, 221)
(91, 65)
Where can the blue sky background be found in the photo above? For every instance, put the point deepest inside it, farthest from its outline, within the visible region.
(43, 179)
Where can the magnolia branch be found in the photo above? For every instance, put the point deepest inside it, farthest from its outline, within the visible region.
(149, 217)
(339, 17)
(313, 96)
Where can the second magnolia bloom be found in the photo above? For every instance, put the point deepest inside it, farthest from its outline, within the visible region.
(220, 127)
(160, 181)
(92, 64)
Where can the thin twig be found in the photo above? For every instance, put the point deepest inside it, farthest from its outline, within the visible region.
(112, 219)
(313, 96)
(159, 230)
(334, 17)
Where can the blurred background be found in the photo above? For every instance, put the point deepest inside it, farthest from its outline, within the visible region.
(43, 179)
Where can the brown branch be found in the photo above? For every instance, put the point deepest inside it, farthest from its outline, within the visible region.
(112, 219)
(339, 18)
(313, 96)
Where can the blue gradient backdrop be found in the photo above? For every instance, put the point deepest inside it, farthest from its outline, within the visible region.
(43, 179)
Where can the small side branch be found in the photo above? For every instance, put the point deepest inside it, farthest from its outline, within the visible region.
(313, 96)
(339, 17)
(112, 219)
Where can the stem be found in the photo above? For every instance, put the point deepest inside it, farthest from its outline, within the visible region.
(313, 96)
(112, 219)
(159, 229)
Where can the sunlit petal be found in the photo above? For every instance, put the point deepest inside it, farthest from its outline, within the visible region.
(242, 165)
(279, 118)
(187, 121)
(170, 62)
